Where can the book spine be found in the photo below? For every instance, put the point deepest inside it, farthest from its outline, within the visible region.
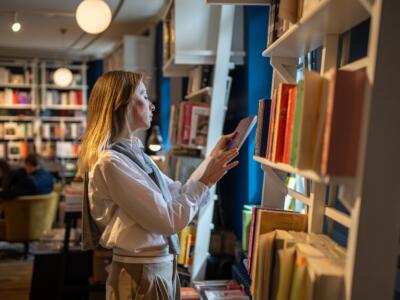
(289, 125)
(265, 127)
(271, 126)
(251, 237)
(260, 120)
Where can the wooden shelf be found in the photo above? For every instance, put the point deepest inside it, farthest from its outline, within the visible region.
(180, 64)
(16, 106)
(66, 119)
(72, 87)
(308, 174)
(17, 118)
(328, 17)
(64, 107)
(16, 86)
(204, 91)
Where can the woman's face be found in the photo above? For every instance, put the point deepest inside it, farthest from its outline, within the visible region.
(141, 108)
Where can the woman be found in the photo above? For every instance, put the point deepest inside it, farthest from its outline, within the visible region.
(137, 209)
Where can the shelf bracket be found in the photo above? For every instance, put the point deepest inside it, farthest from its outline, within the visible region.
(285, 67)
(368, 5)
(274, 188)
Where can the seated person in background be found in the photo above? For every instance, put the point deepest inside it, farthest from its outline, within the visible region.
(42, 180)
(14, 183)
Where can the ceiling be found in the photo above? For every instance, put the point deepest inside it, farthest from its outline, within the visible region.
(42, 20)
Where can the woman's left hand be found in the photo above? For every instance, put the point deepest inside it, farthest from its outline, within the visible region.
(222, 144)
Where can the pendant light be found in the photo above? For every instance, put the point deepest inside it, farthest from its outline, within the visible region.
(93, 16)
(16, 26)
(63, 77)
(155, 142)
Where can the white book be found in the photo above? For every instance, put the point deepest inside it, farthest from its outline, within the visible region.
(199, 125)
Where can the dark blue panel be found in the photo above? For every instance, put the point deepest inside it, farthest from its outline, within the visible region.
(94, 71)
(250, 83)
(162, 101)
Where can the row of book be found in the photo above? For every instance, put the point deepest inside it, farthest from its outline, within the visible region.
(187, 237)
(63, 98)
(285, 262)
(62, 130)
(16, 150)
(14, 97)
(13, 130)
(214, 290)
(189, 123)
(285, 13)
(60, 149)
(10, 77)
(314, 125)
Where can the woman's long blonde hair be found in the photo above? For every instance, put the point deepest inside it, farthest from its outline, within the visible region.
(106, 120)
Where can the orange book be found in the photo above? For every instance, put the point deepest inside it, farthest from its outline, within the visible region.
(343, 123)
(280, 121)
(189, 249)
(289, 125)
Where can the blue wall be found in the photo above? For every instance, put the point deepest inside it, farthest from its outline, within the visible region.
(163, 98)
(251, 82)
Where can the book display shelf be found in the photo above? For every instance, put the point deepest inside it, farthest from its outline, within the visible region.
(37, 114)
(18, 106)
(198, 54)
(368, 192)
(62, 115)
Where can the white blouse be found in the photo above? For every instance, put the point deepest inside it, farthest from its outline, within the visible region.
(127, 204)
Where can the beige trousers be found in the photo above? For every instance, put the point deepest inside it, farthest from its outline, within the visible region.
(158, 281)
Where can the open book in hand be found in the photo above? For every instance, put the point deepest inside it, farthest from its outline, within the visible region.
(242, 131)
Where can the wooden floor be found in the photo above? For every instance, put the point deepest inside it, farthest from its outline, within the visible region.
(15, 279)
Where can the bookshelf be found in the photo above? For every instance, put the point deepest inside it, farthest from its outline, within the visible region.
(62, 115)
(198, 46)
(18, 106)
(208, 41)
(369, 269)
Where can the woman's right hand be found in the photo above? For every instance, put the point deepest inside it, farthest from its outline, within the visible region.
(218, 166)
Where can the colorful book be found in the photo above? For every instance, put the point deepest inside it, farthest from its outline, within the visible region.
(298, 118)
(263, 119)
(289, 126)
(343, 123)
(280, 121)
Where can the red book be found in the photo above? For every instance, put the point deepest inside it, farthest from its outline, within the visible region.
(289, 125)
(78, 95)
(280, 121)
(271, 126)
(187, 118)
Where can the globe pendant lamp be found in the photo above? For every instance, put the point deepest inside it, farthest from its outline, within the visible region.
(93, 16)
(63, 77)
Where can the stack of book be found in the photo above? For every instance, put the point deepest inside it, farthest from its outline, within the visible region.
(296, 265)
(13, 130)
(285, 13)
(7, 77)
(220, 290)
(314, 125)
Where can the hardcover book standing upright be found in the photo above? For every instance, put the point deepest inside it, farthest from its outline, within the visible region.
(343, 123)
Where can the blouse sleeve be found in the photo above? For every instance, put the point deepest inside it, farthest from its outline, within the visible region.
(144, 203)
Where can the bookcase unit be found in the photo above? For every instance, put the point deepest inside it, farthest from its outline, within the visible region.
(370, 196)
(18, 106)
(197, 34)
(61, 119)
(190, 37)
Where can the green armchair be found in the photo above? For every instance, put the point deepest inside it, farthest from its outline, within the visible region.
(27, 217)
